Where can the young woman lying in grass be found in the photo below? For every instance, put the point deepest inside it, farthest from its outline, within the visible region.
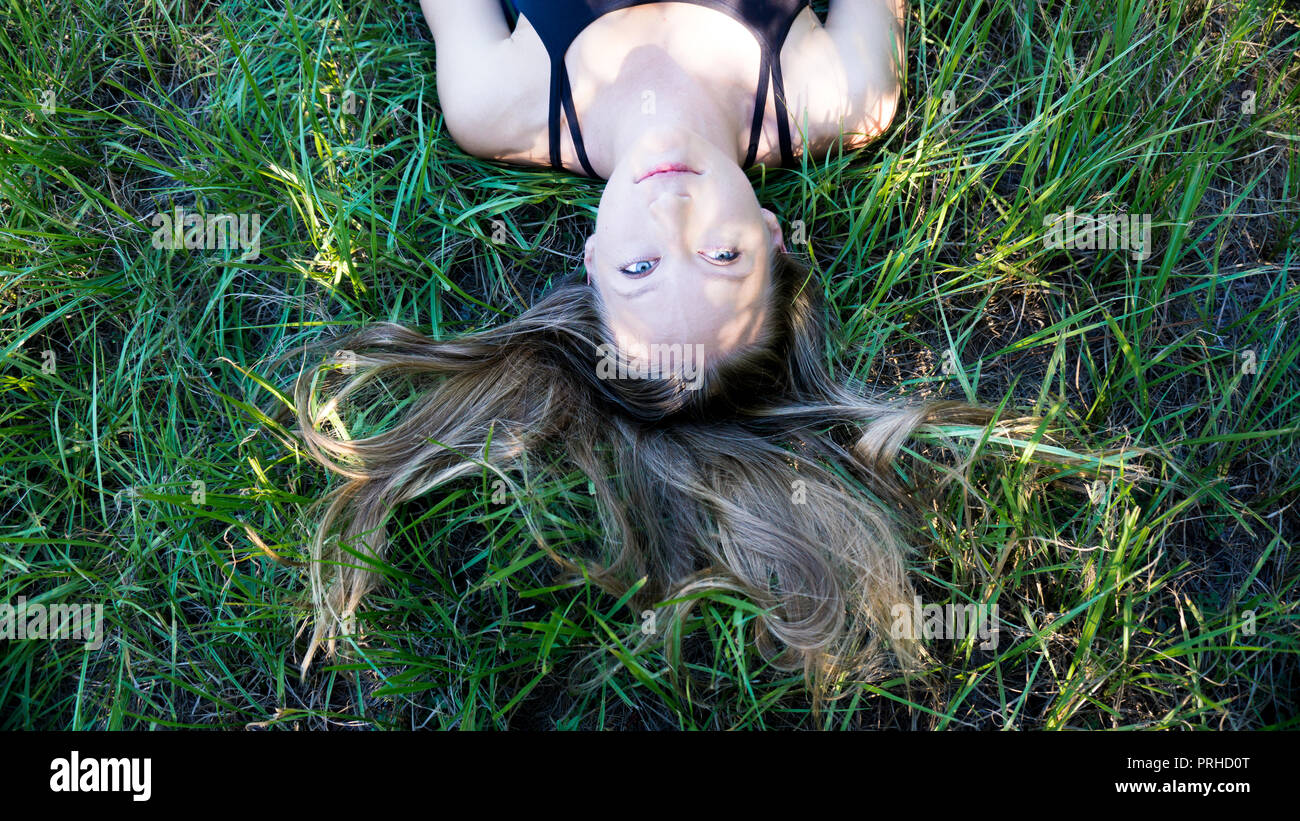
(739, 468)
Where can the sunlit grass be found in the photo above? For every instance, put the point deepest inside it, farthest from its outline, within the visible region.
(1143, 561)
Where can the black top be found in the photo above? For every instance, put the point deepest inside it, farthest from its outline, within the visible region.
(559, 22)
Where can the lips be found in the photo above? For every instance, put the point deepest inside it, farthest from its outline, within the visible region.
(665, 168)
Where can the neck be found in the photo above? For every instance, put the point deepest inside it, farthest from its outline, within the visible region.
(666, 100)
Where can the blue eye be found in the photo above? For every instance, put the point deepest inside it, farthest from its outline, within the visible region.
(725, 256)
(643, 267)
(639, 269)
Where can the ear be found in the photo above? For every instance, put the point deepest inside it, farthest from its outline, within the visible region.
(774, 229)
(589, 256)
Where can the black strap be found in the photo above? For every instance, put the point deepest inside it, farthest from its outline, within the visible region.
(572, 113)
(782, 116)
(768, 64)
(511, 14)
(760, 104)
(554, 122)
(562, 96)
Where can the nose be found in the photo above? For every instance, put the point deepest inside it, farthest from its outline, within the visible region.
(667, 208)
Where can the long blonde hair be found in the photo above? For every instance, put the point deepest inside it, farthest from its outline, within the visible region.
(737, 484)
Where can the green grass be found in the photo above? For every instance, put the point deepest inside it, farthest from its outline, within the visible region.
(1164, 596)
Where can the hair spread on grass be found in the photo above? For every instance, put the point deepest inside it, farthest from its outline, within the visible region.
(737, 484)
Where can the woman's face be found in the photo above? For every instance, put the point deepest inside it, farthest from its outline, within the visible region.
(682, 252)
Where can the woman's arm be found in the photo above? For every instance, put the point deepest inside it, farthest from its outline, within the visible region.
(870, 32)
(482, 79)
(476, 22)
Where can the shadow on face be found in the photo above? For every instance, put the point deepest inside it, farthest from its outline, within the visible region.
(682, 251)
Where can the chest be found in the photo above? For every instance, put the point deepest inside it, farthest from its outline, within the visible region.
(644, 43)
(633, 53)
(706, 43)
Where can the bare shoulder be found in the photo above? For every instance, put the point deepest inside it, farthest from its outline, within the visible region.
(844, 75)
(495, 100)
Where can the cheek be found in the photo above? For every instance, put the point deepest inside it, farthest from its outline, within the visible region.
(736, 191)
(613, 203)
(738, 327)
(728, 298)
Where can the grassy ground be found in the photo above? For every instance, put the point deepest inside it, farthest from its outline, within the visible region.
(129, 374)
